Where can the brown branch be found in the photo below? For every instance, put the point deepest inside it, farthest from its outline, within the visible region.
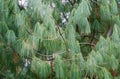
(95, 2)
(47, 55)
(30, 33)
(88, 36)
(62, 38)
(61, 34)
(93, 35)
(71, 2)
(65, 17)
(87, 44)
(110, 31)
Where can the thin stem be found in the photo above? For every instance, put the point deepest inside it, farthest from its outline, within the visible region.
(62, 37)
(71, 2)
(93, 35)
(65, 17)
(94, 2)
(87, 44)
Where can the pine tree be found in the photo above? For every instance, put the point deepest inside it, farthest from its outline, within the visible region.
(60, 39)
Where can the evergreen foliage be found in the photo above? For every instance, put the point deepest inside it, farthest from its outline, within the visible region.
(35, 43)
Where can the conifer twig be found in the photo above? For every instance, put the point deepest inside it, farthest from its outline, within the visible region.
(93, 35)
(88, 36)
(60, 33)
(71, 2)
(62, 37)
(109, 31)
(94, 2)
(65, 17)
(29, 32)
(48, 55)
(87, 44)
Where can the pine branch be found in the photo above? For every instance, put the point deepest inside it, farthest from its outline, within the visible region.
(61, 34)
(71, 2)
(58, 27)
(29, 32)
(87, 44)
(17, 76)
(110, 31)
(65, 16)
(93, 35)
(38, 52)
(94, 1)
(89, 36)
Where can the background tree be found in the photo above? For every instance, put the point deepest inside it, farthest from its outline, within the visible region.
(60, 39)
